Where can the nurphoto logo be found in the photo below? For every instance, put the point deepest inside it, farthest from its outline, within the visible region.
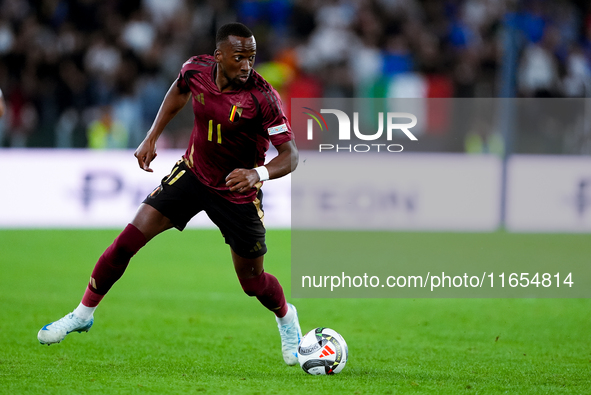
(344, 131)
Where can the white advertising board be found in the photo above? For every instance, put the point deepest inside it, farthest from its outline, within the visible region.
(440, 192)
(549, 193)
(86, 189)
(385, 191)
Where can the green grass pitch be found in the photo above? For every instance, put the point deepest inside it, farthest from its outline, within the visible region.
(178, 322)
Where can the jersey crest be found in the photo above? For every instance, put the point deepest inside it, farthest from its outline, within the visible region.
(235, 113)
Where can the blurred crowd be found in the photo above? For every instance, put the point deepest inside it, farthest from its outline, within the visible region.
(92, 73)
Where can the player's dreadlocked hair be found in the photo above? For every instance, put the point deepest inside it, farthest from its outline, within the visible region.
(231, 29)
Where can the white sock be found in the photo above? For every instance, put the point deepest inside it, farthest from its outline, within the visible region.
(288, 318)
(83, 312)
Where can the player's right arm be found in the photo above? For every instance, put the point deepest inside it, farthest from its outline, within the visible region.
(173, 102)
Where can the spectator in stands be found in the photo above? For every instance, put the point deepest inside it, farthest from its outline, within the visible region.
(107, 132)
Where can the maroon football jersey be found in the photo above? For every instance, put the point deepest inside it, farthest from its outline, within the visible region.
(232, 129)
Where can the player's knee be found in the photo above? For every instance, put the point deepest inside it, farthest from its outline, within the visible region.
(122, 249)
(254, 286)
(127, 244)
(261, 285)
(249, 288)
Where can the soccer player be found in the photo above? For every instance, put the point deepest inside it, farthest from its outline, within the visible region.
(237, 115)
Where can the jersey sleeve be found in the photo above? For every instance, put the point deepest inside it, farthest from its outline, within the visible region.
(275, 122)
(181, 82)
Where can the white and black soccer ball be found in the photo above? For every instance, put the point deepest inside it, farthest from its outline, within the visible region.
(323, 351)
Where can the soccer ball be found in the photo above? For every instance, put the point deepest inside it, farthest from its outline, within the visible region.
(322, 351)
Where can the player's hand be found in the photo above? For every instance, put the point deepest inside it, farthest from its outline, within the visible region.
(145, 154)
(242, 180)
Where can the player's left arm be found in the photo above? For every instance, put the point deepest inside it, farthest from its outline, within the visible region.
(241, 180)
